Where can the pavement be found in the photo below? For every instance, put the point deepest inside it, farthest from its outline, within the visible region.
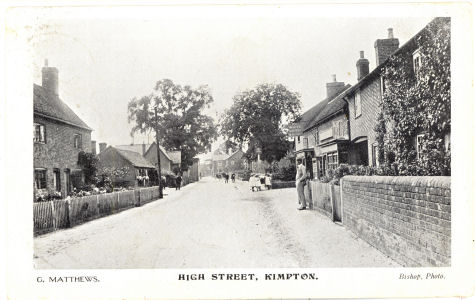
(209, 224)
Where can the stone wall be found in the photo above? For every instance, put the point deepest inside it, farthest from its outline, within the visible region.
(407, 218)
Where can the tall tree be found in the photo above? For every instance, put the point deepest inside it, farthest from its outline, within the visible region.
(182, 125)
(257, 118)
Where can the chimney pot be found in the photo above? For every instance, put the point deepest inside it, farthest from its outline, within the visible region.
(362, 66)
(93, 147)
(385, 47)
(102, 147)
(334, 87)
(49, 80)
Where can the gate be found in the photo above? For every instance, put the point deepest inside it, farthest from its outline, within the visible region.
(335, 194)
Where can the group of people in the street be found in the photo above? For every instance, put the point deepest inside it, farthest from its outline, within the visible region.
(226, 177)
(258, 182)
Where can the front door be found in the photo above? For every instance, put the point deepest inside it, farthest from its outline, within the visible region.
(67, 176)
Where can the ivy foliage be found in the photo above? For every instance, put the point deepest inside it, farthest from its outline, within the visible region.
(418, 103)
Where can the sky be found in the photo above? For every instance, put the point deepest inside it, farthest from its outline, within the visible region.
(105, 61)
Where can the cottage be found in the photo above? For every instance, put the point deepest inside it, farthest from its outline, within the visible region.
(322, 131)
(59, 135)
(329, 130)
(126, 168)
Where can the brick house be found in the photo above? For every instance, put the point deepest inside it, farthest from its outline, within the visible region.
(235, 161)
(129, 167)
(219, 162)
(365, 97)
(58, 137)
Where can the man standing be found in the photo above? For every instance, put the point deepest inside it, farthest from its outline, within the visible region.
(178, 182)
(300, 183)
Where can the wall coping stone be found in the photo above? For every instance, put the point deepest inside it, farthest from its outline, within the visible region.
(430, 181)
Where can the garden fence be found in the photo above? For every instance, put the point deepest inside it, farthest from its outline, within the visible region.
(52, 215)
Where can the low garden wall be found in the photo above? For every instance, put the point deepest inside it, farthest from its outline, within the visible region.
(407, 218)
(282, 184)
(52, 215)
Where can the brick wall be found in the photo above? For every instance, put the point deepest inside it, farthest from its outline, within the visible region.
(407, 218)
(363, 125)
(58, 152)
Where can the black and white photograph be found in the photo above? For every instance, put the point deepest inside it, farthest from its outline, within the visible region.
(239, 147)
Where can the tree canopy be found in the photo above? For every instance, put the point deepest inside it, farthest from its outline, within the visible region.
(257, 118)
(182, 125)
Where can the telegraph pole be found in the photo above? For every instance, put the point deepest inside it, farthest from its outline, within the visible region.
(159, 168)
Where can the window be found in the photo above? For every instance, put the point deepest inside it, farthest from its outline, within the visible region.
(39, 133)
(332, 160)
(416, 61)
(77, 141)
(419, 140)
(298, 139)
(305, 142)
(357, 104)
(40, 178)
(57, 180)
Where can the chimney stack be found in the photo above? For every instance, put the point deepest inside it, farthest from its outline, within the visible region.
(334, 87)
(143, 148)
(93, 147)
(50, 79)
(385, 47)
(362, 66)
(102, 147)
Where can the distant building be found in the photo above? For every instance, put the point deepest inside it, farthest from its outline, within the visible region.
(175, 157)
(165, 160)
(205, 167)
(127, 168)
(58, 137)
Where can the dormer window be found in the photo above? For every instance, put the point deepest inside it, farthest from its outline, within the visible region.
(416, 61)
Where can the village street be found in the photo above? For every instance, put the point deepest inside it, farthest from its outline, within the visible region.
(209, 224)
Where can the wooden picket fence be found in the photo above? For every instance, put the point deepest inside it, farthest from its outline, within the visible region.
(53, 215)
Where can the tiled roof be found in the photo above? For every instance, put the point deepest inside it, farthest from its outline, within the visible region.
(175, 156)
(52, 106)
(333, 106)
(312, 113)
(219, 156)
(136, 159)
(411, 43)
(138, 148)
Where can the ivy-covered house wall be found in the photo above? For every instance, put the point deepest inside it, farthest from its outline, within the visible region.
(413, 131)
